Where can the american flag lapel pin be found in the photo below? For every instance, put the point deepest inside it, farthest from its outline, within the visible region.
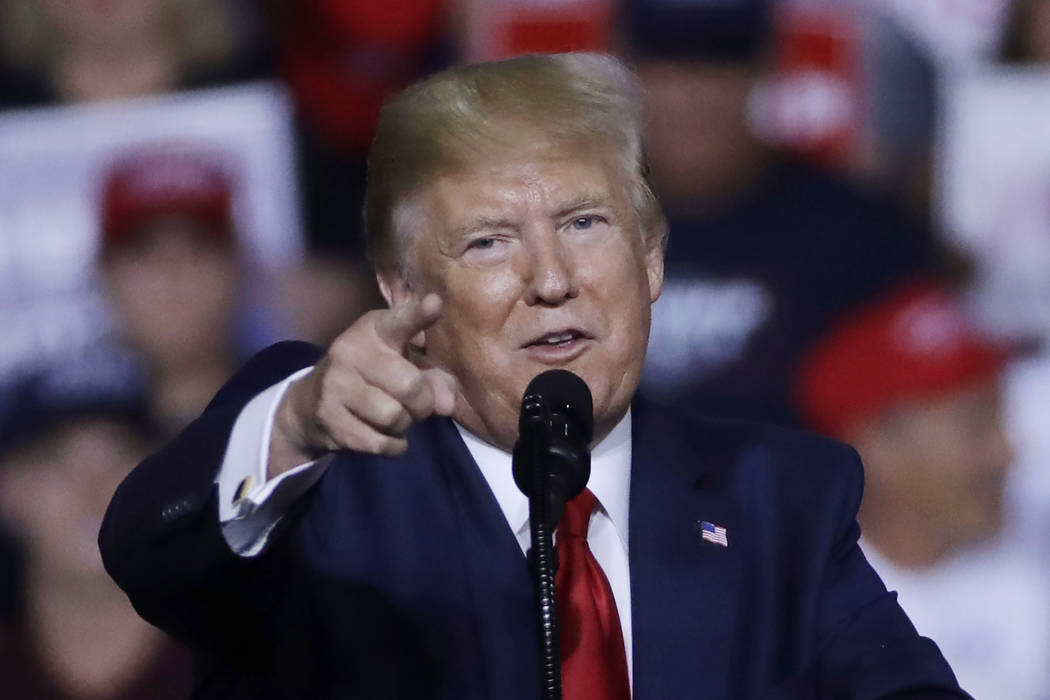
(714, 534)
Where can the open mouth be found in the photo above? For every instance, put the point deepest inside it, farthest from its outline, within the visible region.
(557, 338)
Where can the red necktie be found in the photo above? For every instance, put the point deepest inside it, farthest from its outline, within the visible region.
(593, 660)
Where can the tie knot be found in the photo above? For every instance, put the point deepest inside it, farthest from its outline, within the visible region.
(577, 515)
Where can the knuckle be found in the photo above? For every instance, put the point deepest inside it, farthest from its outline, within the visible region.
(391, 415)
(340, 388)
(374, 443)
(393, 446)
(362, 438)
(423, 403)
(326, 386)
(410, 384)
(341, 348)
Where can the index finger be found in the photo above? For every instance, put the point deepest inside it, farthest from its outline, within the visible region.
(401, 323)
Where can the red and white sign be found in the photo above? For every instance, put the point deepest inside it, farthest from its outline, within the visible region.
(498, 29)
(54, 166)
(813, 103)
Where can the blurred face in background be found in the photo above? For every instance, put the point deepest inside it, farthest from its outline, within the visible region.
(103, 24)
(698, 139)
(55, 490)
(173, 286)
(943, 459)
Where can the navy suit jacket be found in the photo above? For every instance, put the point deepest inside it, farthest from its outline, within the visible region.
(398, 577)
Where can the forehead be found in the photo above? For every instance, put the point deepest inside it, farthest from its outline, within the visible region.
(533, 185)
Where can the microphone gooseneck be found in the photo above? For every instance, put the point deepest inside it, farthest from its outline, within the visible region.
(551, 464)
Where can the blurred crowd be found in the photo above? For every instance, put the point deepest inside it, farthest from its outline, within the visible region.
(858, 194)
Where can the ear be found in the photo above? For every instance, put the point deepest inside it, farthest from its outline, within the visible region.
(654, 267)
(396, 290)
(393, 287)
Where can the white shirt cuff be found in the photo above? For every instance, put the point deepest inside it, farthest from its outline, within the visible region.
(249, 505)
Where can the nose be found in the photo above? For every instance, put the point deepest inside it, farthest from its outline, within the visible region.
(550, 270)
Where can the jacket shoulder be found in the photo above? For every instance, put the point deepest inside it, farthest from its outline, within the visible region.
(720, 443)
(266, 368)
(789, 471)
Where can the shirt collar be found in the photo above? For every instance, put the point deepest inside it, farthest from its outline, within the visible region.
(610, 480)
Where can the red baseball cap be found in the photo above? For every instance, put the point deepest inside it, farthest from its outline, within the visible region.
(916, 343)
(146, 185)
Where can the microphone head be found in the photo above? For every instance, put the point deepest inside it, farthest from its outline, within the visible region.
(561, 389)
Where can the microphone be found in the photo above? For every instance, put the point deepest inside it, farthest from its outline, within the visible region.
(552, 462)
(555, 429)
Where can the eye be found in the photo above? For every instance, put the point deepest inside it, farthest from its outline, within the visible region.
(486, 249)
(583, 223)
(482, 244)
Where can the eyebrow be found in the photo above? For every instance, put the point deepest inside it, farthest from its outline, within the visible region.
(482, 223)
(583, 201)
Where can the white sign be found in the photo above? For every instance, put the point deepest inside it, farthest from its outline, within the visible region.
(52, 169)
(993, 192)
(956, 33)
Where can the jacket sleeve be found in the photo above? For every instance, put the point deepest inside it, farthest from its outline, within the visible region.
(161, 539)
(867, 648)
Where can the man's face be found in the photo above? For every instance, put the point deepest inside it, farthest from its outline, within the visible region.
(173, 288)
(105, 23)
(540, 264)
(698, 137)
(945, 459)
(55, 491)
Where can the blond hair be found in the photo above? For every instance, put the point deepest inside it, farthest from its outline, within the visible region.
(482, 112)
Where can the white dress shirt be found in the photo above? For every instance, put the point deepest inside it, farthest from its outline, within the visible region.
(607, 532)
(250, 505)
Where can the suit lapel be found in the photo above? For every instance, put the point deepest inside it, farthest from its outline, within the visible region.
(496, 575)
(685, 591)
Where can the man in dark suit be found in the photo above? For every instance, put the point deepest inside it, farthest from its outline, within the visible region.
(324, 531)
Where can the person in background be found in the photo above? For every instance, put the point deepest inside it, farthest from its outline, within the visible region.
(1014, 267)
(764, 249)
(916, 389)
(60, 51)
(171, 273)
(68, 435)
(340, 61)
(1027, 36)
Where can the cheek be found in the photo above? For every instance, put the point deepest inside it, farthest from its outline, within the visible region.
(476, 289)
(478, 305)
(198, 293)
(464, 340)
(621, 294)
(949, 481)
(619, 280)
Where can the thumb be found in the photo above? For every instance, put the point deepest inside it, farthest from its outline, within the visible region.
(398, 325)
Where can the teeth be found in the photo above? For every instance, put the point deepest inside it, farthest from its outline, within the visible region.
(560, 338)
